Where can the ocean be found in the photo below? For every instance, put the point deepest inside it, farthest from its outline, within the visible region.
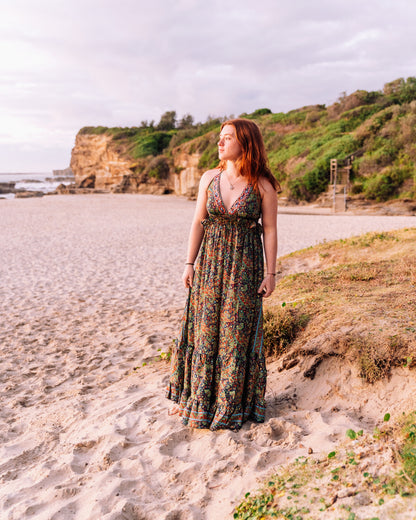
(45, 182)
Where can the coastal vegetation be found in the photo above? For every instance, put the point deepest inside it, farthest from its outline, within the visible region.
(353, 301)
(356, 303)
(343, 481)
(374, 132)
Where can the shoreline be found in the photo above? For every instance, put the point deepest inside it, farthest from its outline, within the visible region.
(357, 207)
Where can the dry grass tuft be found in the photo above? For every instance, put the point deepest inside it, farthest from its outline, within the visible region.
(376, 356)
(281, 328)
(357, 302)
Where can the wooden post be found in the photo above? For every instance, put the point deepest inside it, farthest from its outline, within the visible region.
(333, 171)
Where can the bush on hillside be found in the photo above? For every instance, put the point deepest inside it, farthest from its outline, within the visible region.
(158, 168)
(385, 185)
(151, 144)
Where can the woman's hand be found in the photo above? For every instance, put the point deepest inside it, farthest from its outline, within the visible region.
(188, 276)
(267, 286)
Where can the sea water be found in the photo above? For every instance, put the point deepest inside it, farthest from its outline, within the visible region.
(44, 182)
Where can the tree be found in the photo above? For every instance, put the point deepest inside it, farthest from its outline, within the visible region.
(187, 121)
(167, 121)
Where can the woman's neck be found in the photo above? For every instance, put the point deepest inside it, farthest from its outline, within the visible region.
(232, 170)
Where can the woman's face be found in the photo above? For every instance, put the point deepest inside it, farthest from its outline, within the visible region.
(229, 148)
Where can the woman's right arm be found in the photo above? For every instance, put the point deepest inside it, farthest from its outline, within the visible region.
(196, 233)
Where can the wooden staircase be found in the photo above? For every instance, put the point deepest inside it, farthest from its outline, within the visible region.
(338, 195)
(338, 187)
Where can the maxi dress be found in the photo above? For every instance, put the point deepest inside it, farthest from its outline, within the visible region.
(218, 370)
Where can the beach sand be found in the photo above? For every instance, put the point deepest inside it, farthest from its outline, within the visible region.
(90, 296)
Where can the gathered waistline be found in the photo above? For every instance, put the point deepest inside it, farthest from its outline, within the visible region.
(233, 220)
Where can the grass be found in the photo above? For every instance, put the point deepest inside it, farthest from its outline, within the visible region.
(408, 449)
(281, 328)
(359, 299)
(309, 488)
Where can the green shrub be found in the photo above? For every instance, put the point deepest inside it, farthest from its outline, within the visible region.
(380, 188)
(383, 186)
(310, 185)
(93, 130)
(261, 112)
(408, 451)
(151, 144)
(123, 133)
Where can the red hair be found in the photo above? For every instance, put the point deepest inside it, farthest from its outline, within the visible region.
(253, 162)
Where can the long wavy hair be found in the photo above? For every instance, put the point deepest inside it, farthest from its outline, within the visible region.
(253, 162)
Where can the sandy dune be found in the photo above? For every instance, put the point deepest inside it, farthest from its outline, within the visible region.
(90, 290)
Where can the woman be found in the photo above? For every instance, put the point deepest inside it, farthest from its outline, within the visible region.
(218, 376)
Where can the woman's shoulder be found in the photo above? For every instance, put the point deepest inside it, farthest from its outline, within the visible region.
(265, 186)
(208, 176)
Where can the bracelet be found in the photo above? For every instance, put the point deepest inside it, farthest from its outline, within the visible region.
(189, 263)
(272, 274)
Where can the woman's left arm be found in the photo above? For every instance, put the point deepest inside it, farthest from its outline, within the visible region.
(269, 222)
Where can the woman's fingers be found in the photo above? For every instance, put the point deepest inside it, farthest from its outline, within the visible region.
(187, 278)
(262, 287)
(266, 288)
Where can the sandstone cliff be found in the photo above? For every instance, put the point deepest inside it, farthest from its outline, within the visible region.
(186, 181)
(98, 163)
(102, 163)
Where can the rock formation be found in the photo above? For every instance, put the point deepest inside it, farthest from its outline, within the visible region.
(66, 173)
(101, 163)
(7, 187)
(186, 181)
(97, 163)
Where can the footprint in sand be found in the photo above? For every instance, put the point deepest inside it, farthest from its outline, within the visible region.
(176, 444)
(274, 432)
(68, 511)
(82, 456)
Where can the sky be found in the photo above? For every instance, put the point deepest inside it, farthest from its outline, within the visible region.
(74, 63)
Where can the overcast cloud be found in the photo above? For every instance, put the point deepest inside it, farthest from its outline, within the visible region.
(74, 63)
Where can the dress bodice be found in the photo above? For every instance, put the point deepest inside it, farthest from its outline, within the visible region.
(247, 205)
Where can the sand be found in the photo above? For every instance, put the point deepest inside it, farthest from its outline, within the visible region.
(90, 297)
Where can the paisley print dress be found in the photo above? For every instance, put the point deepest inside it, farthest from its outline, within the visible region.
(218, 374)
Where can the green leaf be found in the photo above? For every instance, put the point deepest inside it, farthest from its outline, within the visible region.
(331, 455)
(386, 417)
(284, 304)
(351, 434)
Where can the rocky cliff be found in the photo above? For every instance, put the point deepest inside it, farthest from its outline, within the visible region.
(103, 163)
(98, 163)
(185, 179)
